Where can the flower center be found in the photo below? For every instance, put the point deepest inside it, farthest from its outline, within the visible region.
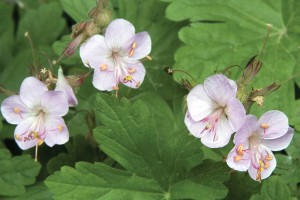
(212, 122)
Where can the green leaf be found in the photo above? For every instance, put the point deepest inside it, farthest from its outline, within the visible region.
(78, 9)
(158, 164)
(16, 172)
(131, 135)
(240, 36)
(99, 181)
(36, 192)
(42, 30)
(273, 189)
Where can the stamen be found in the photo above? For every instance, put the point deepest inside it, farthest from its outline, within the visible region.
(148, 57)
(60, 128)
(239, 150)
(269, 157)
(103, 67)
(131, 70)
(267, 164)
(134, 45)
(131, 52)
(18, 137)
(258, 176)
(40, 142)
(127, 79)
(138, 84)
(264, 126)
(237, 158)
(17, 110)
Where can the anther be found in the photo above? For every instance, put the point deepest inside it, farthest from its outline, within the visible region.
(103, 67)
(239, 150)
(258, 176)
(134, 45)
(267, 164)
(40, 142)
(18, 137)
(127, 79)
(264, 126)
(115, 87)
(138, 84)
(60, 128)
(148, 57)
(17, 110)
(131, 52)
(131, 70)
(269, 157)
(237, 158)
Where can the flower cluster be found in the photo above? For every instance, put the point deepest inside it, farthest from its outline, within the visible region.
(214, 113)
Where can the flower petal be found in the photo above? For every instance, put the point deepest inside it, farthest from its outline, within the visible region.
(236, 113)
(221, 136)
(280, 143)
(94, 52)
(119, 34)
(220, 88)
(195, 128)
(63, 85)
(239, 165)
(14, 110)
(246, 130)
(142, 46)
(200, 105)
(55, 103)
(23, 131)
(137, 77)
(277, 123)
(266, 172)
(57, 131)
(31, 91)
(104, 80)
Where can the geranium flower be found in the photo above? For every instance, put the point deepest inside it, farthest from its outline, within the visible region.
(63, 85)
(115, 57)
(256, 140)
(38, 115)
(214, 112)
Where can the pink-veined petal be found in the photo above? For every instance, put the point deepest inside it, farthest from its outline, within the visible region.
(248, 128)
(238, 162)
(23, 136)
(63, 85)
(55, 103)
(56, 131)
(94, 52)
(236, 113)
(277, 123)
(199, 103)
(197, 129)
(221, 136)
(104, 80)
(142, 46)
(31, 91)
(220, 89)
(280, 143)
(136, 77)
(119, 34)
(266, 171)
(14, 110)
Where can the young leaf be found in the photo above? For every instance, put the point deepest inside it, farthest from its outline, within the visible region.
(78, 9)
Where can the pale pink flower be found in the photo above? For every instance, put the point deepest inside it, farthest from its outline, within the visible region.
(214, 113)
(115, 57)
(63, 85)
(37, 113)
(256, 140)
